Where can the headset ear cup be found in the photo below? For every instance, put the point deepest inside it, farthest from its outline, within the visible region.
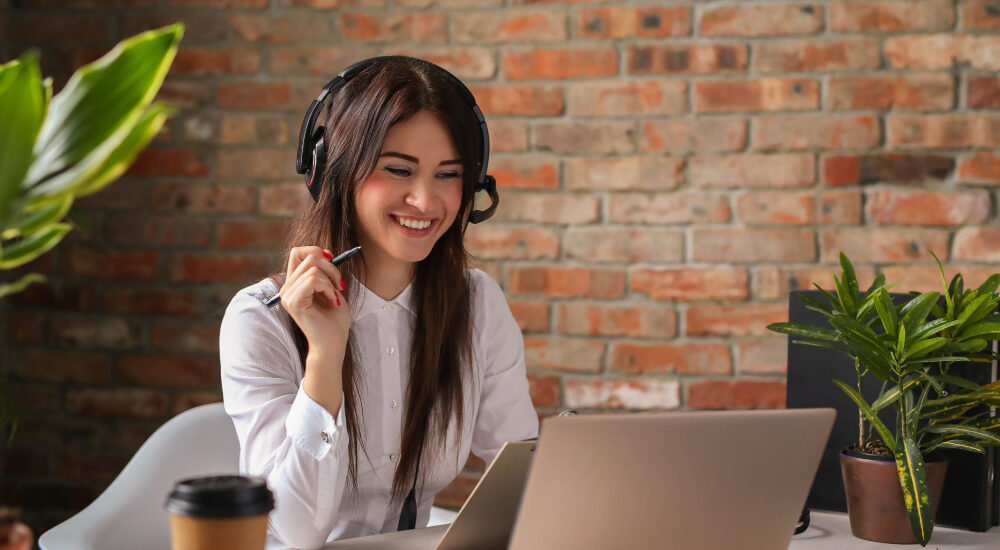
(314, 176)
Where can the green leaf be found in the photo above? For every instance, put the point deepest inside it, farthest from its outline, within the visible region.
(102, 101)
(915, 311)
(865, 344)
(959, 444)
(6, 289)
(804, 331)
(834, 302)
(990, 285)
(983, 328)
(972, 308)
(878, 282)
(967, 431)
(944, 282)
(846, 299)
(32, 246)
(931, 328)
(22, 110)
(890, 395)
(916, 495)
(834, 346)
(870, 415)
(922, 348)
(886, 311)
(816, 305)
(850, 279)
(39, 217)
(958, 381)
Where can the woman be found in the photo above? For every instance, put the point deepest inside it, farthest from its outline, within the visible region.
(401, 354)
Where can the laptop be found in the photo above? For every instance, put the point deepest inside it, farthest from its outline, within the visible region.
(711, 480)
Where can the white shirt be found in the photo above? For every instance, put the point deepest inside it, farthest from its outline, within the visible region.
(301, 448)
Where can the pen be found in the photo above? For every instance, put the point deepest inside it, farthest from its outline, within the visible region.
(341, 258)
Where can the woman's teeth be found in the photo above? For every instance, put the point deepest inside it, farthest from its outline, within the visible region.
(414, 224)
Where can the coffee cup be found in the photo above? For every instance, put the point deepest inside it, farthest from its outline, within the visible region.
(219, 513)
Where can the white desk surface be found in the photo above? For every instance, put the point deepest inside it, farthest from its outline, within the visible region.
(827, 531)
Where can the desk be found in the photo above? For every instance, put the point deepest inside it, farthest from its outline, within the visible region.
(827, 531)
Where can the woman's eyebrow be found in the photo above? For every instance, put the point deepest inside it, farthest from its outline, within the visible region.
(414, 159)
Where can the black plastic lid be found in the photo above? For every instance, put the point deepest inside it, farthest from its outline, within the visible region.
(220, 497)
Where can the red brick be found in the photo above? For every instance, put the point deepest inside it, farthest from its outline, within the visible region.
(199, 28)
(982, 92)
(496, 241)
(886, 167)
(702, 134)
(571, 354)
(875, 245)
(126, 403)
(927, 208)
(284, 198)
(525, 172)
(692, 283)
(253, 129)
(157, 230)
(255, 163)
(186, 94)
(88, 332)
(635, 321)
(633, 98)
(629, 22)
(767, 94)
(774, 283)
(219, 3)
(122, 195)
(635, 394)
(519, 100)
(625, 173)
(817, 54)
(255, 95)
(59, 294)
(686, 58)
(689, 358)
(816, 132)
(531, 315)
(763, 355)
(980, 14)
(25, 327)
(185, 336)
(560, 63)
(198, 268)
(253, 27)
(736, 394)
(674, 208)
(549, 208)
(585, 137)
(566, 282)
(544, 390)
(268, 234)
(62, 366)
(927, 278)
(408, 27)
(752, 171)
(152, 301)
(761, 20)
(919, 15)
(210, 199)
(71, 28)
(464, 63)
(977, 244)
(622, 245)
(983, 167)
(950, 131)
(777, 208)
(508, 136)
(163, 370)
(109, 264)
(891, 91)
(840, 207)
(753, 245)
(941, 51)
(502, 26)
(203, 61)
(189, 400)
(733, 320)
(169, 162)
(35, 398)
(307, 60)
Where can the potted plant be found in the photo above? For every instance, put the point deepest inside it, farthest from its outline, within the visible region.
(910, 348)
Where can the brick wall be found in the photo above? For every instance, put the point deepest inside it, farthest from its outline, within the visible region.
(669, 170)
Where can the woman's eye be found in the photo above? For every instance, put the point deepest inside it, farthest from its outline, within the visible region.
(449, 175)
(402, 172)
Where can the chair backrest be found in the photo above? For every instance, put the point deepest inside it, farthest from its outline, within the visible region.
(130, 513)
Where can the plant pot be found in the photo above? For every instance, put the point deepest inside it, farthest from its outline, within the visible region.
(15, 536)
(875, 499)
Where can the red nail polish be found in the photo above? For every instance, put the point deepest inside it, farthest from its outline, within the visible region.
(338, 299)
(343, 286)
(327, 254)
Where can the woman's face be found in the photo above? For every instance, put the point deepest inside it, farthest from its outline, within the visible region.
(414, 193)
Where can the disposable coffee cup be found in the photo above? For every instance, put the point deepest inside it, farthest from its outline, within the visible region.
(219, 513)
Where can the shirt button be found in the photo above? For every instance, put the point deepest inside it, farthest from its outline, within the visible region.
(393, 403)
(393, 457)
(324, 436)
(390, 350)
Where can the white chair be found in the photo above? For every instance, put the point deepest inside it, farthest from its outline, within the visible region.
(129, 513)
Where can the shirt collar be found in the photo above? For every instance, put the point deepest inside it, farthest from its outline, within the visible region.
(364, 301)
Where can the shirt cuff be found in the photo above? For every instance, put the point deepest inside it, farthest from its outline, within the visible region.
(313, 428)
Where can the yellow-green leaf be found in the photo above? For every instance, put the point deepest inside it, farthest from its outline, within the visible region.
(916, 495)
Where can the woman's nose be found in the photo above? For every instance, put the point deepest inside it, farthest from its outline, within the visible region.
(420, 193)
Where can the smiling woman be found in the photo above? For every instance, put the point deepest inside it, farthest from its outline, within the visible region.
(379, 377)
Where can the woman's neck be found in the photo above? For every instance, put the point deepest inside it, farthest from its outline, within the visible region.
(386, 276)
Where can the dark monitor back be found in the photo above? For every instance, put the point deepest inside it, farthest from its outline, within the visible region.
(969, 496)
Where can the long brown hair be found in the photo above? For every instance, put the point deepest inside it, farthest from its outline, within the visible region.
(359, 117)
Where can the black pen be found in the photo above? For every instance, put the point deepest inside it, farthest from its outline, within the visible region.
(341, 258)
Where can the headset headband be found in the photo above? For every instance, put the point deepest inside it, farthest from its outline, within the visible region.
(310, 156)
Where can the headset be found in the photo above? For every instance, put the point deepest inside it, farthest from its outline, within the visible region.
(310, 158)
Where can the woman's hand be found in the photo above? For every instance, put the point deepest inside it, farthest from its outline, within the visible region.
(312, 296)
